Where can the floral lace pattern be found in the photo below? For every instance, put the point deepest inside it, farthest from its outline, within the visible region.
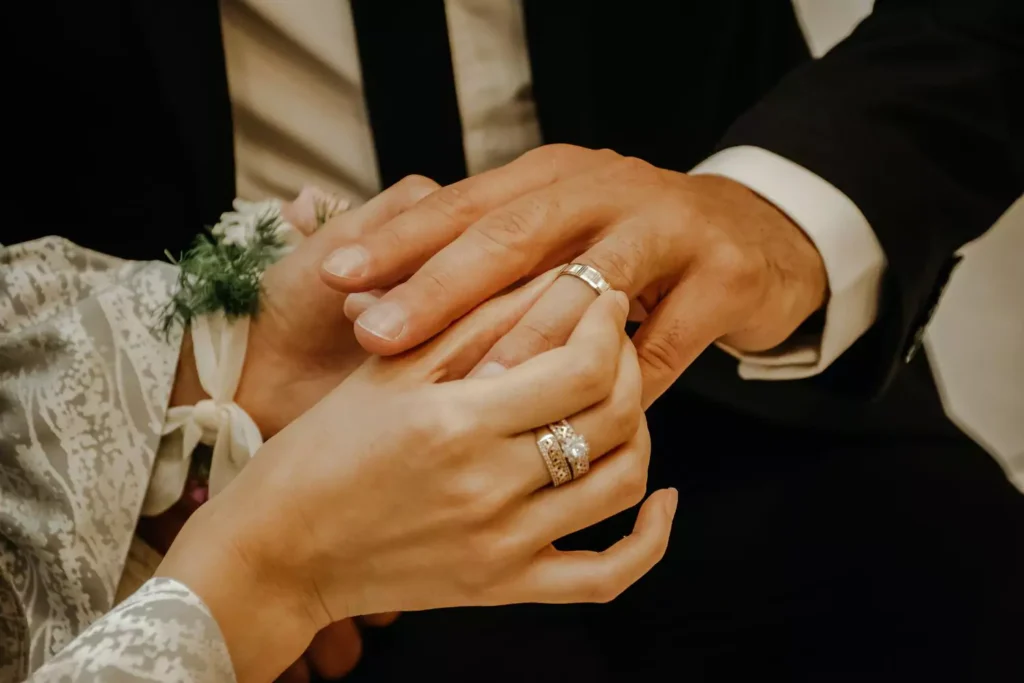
(85, 378)
(163, 632)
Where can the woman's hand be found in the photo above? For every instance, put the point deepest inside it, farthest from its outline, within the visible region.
(403, 491)
(301, 345)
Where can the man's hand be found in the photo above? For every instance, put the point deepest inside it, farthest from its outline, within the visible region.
(706, 257)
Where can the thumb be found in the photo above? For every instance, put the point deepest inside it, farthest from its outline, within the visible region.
(681, 326)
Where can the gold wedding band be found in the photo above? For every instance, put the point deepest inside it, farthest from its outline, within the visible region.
(575, 448)
(589, 275)
(554, 460)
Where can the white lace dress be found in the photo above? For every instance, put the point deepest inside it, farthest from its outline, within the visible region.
(85, 377)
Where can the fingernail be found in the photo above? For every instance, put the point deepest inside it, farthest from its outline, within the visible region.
(347, 262)
(671, 503)
(488, 369)
(386, 320)
(356, 304)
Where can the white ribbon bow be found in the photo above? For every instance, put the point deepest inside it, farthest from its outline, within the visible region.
(218, 421)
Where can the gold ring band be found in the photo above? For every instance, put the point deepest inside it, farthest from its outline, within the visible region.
(554, 460)
(589, 275)
(575, 448)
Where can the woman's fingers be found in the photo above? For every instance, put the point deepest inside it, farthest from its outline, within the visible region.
(615, 483)
(626, 259)
(606, 426)
(558, 383)
(453, 353)
(547, 325)
(585, 576)
(335, 650)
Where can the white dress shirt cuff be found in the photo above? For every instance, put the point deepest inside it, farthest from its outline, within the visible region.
(854, 259)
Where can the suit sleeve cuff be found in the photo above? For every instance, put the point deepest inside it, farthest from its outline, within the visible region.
(853, 257)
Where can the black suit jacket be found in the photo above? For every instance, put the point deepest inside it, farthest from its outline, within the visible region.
(122, 138)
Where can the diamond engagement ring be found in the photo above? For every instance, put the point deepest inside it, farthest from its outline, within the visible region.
(574, 447)
(551, 452)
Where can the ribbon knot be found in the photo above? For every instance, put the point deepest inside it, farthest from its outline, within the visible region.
(219, 345)
(209, 417)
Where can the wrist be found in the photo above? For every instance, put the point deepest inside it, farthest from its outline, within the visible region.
(187, 390)
(266, 621)
(250, 396)
(796, 282)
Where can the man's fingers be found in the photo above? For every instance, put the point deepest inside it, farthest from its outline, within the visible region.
(694, 314)
(295, 278)
(623, 260)
(398, 248)
(358, 302)
(335, 650)
(501, 248)
(559, 383)
(584, 576)
(351, 225)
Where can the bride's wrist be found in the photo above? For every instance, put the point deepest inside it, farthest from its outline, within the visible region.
(266, 620)
(187, 390)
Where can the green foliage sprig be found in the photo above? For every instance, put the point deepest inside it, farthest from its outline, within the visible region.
(224, 268)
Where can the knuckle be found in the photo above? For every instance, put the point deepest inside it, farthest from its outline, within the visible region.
(618, 267)
(416, 186)
(471, 578)
(453, 203)
(560, 160)
(600, 587)
(593, 376)
(642, 441)
(388, 237)
(511, 226)
(488, 553)
(626, 412)
(425, 424)
(555, 154)
(481, 500)
(438, 283)
(536, 337)
(632, 171)
(663, 351)
(733, 266)
(607, 155)
(633, 485)
(442, 423)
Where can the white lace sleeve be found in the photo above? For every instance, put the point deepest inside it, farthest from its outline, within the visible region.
(85, 377)
(161, 633)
